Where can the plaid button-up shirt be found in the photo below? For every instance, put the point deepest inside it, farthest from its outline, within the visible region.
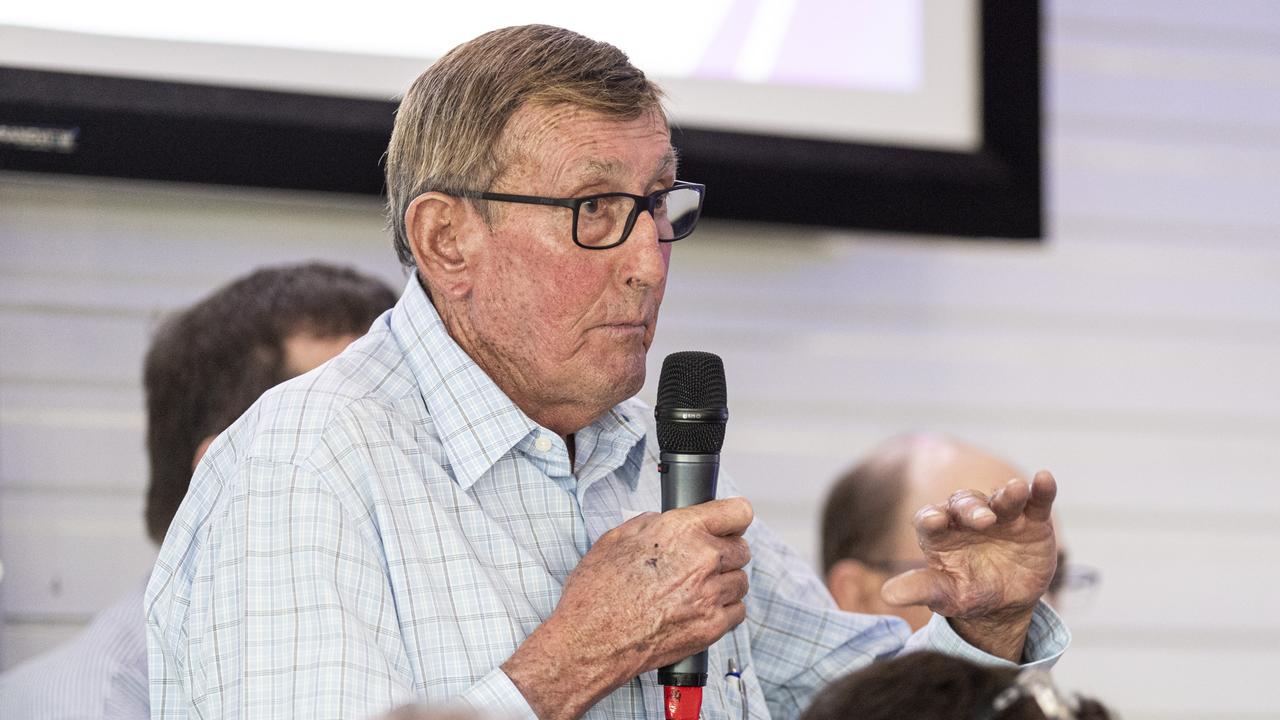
(389, 527)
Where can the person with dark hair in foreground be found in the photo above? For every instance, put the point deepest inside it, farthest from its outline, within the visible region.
(933, 686)
(867, 534)
(205, 367)
(463, 505)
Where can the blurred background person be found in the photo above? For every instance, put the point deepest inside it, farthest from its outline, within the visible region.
(205, 367)
(932, 686)
(867, 535)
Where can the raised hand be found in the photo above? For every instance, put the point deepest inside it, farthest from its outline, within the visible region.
(990, 559)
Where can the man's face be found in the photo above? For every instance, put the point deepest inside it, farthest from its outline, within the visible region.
(553, 323)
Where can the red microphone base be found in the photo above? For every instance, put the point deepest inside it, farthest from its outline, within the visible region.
(682, 702)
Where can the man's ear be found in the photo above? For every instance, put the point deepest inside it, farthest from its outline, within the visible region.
(855, 586)
(438, 227)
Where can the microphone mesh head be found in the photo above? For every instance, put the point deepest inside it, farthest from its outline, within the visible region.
(691, 380)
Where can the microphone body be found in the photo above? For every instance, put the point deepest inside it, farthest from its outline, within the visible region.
(691, 413)
(687, 479)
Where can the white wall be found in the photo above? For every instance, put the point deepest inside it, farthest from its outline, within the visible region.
(1134, 352)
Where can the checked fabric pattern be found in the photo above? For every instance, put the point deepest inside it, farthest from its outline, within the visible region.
(389, 527)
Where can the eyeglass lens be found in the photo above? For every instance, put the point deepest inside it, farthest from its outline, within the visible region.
(607, 219)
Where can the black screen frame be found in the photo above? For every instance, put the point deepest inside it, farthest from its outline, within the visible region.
(182, 132)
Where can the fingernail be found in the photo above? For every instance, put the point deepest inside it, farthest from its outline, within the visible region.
(981, 513)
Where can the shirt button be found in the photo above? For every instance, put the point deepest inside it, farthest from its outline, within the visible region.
(543, 443)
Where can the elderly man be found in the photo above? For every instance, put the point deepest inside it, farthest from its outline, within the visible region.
(461, 504)
(205, 367)
(867, 533)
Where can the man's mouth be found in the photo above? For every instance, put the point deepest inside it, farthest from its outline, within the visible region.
(624, 327)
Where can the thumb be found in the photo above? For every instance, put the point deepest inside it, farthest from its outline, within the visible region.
(724, 517)
(914, 587)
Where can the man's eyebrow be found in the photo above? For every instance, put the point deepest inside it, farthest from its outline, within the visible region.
(597, 169)
(603, 169)
(670, 161)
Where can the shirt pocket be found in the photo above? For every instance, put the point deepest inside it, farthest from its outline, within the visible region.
(737, 698)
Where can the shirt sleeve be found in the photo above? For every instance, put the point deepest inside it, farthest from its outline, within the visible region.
(800, 640)
(278, 606)
(495, 696)
(1047, 640)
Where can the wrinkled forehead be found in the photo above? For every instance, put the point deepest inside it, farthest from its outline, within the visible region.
(561, 146)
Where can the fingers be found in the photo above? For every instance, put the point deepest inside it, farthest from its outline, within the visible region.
(732, 616)
(915, 587)
(733, 553)
(730, 587)
(970, 509)
(730, 516)
(1007, 502)
(973, 510)
(1043, 490)
(931, 520)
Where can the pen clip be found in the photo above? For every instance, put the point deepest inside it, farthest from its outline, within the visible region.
(732, 669)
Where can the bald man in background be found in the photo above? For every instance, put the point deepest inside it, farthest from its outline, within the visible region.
(867, 533)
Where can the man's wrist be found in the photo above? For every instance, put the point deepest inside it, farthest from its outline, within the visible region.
(1001, 634)
(557, 675)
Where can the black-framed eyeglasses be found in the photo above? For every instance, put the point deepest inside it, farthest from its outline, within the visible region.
(605, 220)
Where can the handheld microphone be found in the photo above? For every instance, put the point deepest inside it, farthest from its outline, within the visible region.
(691, 414)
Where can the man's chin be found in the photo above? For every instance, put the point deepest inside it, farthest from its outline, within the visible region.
(629, 386)
(606, 377)
(626, 381)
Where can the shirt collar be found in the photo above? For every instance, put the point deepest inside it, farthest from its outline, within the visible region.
(614, 443)
(476, 421)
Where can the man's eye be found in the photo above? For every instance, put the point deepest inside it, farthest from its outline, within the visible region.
(590, 207)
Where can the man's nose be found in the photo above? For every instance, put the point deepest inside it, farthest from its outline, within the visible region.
(647, 258)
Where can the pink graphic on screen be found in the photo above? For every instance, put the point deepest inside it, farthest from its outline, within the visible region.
(722, 54)
(855, 44)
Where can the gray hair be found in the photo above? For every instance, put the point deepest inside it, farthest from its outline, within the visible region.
(448, 133)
